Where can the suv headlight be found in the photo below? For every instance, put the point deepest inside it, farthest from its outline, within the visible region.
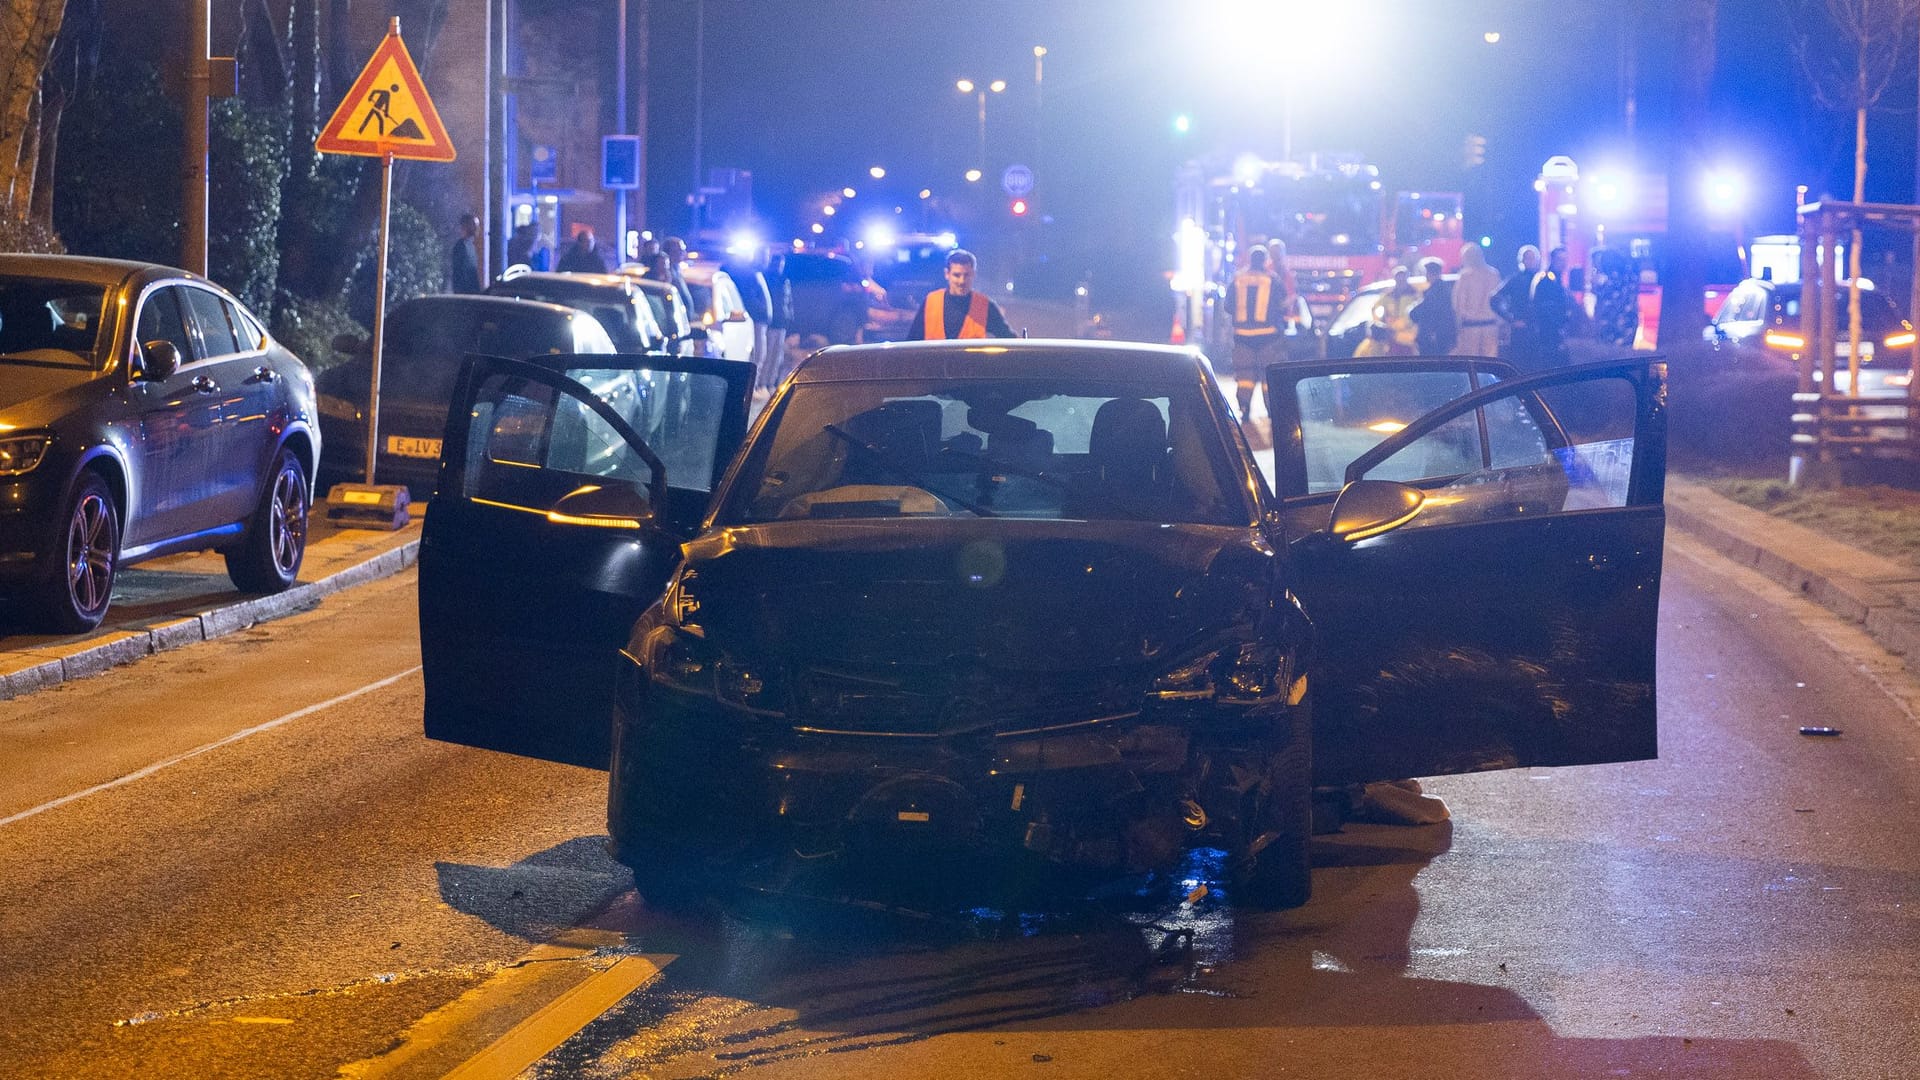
(23, 454)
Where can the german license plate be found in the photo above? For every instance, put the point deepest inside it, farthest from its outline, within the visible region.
(409, 446)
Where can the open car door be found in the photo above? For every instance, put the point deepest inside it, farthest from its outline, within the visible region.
(1511, 621)
(566, 487)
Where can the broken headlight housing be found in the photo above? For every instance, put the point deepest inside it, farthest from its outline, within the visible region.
(1243, 674)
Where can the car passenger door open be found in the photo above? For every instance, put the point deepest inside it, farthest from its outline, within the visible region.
(566, 486)
(1511, 621)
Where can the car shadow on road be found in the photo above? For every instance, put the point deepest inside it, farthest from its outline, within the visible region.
(542, 895)
(1322, 990)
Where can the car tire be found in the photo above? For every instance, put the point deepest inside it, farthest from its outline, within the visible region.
(1272, 868)
(77, 592)
(668, 877)
(844, 328)
(268, 560)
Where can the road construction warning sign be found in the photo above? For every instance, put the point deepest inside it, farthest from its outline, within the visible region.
(387, 112)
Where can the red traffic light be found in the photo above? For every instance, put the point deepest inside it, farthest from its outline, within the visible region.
(1019, 207)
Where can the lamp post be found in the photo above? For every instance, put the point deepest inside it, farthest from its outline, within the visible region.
(968, 86)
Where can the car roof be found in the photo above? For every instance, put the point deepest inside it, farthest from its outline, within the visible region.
(999, 358)
(87, 269)
(566, 282)
(484, 302)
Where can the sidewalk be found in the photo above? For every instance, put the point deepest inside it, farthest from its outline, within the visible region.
(177, 601)
(1879, 594)
(182, 599)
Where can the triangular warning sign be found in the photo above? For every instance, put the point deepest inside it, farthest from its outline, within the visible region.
(387, 112)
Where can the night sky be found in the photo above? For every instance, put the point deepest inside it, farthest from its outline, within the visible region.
(807, 95)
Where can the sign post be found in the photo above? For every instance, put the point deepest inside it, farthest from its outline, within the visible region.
(386, 114)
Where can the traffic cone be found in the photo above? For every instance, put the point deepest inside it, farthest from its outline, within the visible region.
(1179, 335)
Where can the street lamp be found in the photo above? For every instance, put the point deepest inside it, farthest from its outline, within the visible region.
(877, 172)
(968, 86)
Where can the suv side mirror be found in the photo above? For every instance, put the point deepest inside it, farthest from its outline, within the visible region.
(159, 360)
(614, 505)
(1370, 507)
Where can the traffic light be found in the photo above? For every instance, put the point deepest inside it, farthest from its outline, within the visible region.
(1474, 152)
(1019, 208)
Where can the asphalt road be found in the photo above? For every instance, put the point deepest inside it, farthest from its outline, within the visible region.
(325, 891)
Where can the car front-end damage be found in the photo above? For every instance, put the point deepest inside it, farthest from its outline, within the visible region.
(862, 697)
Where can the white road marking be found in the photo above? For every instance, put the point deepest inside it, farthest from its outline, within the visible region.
(215, 745)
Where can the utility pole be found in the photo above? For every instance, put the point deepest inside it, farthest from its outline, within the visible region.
(193, 163)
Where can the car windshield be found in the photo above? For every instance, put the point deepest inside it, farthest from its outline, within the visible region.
(50, 322)
(1039, 449)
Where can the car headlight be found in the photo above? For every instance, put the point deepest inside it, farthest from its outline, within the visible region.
(23, 454)
(1248, 673)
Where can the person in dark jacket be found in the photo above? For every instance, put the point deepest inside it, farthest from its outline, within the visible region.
(1513, 303)
(1553, 311)
(781, 294)
(463, 260)
(1433, 317)
(583, 255)
(747, 277)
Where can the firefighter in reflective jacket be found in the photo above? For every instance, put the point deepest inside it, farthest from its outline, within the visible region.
(957, 311)
(1258, 299)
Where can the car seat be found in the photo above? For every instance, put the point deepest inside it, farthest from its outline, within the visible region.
(1126, 463)
(901, 434)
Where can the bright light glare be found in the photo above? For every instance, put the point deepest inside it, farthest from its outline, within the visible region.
(973, 176)
(1386, 427)
(997, 85)
(847, 192)
(877, 173)
(965, 86)
(1725, 192)
(818, 228)
(1610, 193)
(1491, 37)
(926, 193)
(948, 239)
(878, 234)
(743, 243)
(1183, 123)
(829, 209)
(1039, 50)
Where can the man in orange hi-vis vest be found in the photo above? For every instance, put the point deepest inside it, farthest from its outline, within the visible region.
(957, 311)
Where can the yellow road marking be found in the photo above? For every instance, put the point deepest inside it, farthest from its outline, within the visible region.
(537, 1035)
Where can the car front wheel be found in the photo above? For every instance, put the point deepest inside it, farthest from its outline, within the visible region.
(268, 560)
(76, 595)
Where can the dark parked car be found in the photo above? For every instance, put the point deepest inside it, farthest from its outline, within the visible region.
(1763, 314)
(426, 337)
(143, 411)
(830, 297)
(616, 301)
(1035, 600)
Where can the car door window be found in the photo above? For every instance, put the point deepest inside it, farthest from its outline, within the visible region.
(162, 320)
(1555, 450)
(210, 319)
(525, 436)
(678, 413)
(1345, 414)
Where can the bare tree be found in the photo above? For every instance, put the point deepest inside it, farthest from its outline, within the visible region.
(1849, 68)
(29, 28)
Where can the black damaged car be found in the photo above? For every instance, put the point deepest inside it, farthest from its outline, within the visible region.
(1036, 600)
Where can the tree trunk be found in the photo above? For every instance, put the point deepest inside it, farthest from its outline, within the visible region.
(1683, 316)
(28, 28)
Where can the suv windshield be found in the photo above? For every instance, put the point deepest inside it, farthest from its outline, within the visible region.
(50, 322)
(1038, 449)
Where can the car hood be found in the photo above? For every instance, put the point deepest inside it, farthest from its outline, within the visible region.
(32, 396)
(1011, 596)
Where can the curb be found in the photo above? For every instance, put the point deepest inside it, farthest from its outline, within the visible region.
(1874, 593)
(66, 663)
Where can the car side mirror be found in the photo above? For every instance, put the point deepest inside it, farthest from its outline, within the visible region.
(349, 344)
(613, 505)
(160, 359)
(1370, 507)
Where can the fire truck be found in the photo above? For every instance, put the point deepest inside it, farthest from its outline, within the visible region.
(1341, 225)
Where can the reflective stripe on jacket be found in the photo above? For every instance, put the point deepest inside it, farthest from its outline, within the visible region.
(1252, 304)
